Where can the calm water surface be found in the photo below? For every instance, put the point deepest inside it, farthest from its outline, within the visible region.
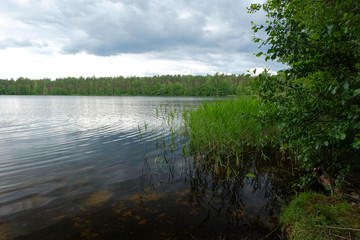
(76, 167)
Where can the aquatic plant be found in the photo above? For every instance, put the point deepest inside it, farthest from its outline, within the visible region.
(227, 128)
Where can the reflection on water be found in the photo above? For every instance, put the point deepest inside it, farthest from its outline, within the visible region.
(75, 168)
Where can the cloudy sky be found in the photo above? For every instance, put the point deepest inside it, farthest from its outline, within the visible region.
(60, 38)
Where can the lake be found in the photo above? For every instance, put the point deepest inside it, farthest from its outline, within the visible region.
(86, 167)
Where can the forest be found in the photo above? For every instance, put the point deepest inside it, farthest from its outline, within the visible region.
(166, 85)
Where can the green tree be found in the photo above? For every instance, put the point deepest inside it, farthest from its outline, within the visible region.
(243, 89)
(45, 90)
(178, 89)
(318, 97)
(36, 90)
(109, 89)
(2, 87)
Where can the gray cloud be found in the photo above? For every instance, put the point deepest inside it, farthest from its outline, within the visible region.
(171, 29)
(112, 27)
(10, 42)
(20, 43)
(135, 29)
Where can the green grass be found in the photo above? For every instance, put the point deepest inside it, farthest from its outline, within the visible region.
(226, 128)
(314, 216)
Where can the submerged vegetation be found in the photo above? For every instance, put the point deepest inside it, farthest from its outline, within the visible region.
(223, 178)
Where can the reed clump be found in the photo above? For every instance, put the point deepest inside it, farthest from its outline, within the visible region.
(227, 128)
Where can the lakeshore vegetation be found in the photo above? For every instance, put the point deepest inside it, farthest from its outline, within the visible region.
(317, 107)
(317, 99)
(312, 110)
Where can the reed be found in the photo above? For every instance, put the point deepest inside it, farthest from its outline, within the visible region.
(227, 128)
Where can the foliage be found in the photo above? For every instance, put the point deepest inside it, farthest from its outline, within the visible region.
(246, 88)
(318, 97)
(314, 216)
(167, 85)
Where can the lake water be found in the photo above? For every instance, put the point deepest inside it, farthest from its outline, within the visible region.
(79, 167)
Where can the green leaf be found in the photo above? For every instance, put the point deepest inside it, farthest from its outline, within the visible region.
(256, 40)
(327, 188)
(357, 92)
(342, 136)
(250, 175)
(334, 91)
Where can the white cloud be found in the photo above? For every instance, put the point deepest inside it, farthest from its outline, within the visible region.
(38, 66)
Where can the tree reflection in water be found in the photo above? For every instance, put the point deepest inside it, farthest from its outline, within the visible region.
(226, 199)
(247, 201)
(181, 199)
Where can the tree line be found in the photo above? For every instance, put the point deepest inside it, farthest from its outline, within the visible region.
(166, 85)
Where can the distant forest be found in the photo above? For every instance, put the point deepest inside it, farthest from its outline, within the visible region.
(166, 85)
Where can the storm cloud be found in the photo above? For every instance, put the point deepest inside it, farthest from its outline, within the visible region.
(214, 32)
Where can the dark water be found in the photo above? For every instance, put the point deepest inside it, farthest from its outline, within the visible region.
(109, 168)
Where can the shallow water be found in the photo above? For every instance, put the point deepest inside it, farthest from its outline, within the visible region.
(75, 167)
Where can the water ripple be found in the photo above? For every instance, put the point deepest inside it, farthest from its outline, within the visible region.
(55, 148)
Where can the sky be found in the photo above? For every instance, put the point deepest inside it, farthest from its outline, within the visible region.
(73, 38)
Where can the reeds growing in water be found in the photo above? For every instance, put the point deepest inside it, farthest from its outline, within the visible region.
(226, 128)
